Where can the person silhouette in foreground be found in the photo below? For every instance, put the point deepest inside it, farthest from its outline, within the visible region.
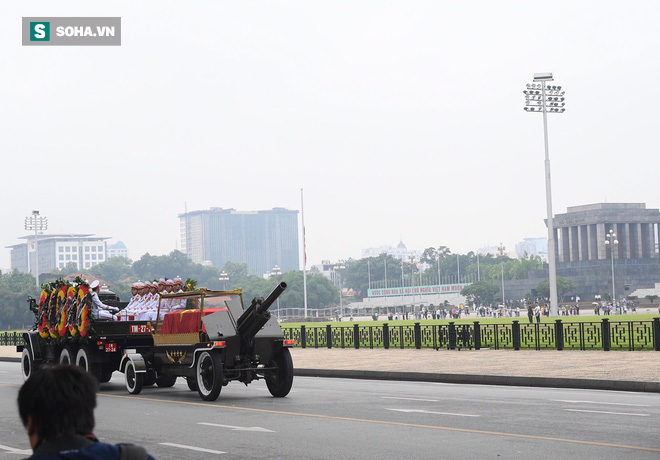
(56, 405)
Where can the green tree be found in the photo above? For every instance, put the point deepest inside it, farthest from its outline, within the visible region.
(481, 292)
(15, 287)
(357, 273)
(652, 298)
(564, 286)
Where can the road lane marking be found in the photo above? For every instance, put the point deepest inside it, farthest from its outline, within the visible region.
(411, 399)
(606, 412)
(198, 449)
(239, 428)
(383, 422)
(599, 402)
(420, 411)
(14, 450)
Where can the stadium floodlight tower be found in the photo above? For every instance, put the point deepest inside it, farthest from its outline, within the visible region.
(37, 223)
(542, 98)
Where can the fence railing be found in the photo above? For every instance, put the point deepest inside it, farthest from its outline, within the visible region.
(11, 338)
(598, 335)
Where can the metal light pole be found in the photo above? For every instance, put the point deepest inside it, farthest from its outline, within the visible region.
(611, 242)
(412, 279)
(539, 98)
(37, 223)
(276, 273)
(339, 267)
(501, 249)
(224, 278)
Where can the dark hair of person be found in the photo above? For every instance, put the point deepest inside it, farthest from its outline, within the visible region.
(61, 401)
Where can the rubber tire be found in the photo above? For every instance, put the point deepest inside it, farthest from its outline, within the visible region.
(105, 377)
(27, 363)
(192, 383)
(67, 355)
(83, 360)
(133, 380)
(165, 381)
(209, 375)
(279, 384)
(149, 378)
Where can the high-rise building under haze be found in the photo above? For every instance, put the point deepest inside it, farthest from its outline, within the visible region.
(260, 239)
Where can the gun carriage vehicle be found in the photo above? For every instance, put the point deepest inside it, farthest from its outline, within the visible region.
(213, 341)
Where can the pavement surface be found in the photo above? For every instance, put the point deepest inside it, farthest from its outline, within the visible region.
(604, 370)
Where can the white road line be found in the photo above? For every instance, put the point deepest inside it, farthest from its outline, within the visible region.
(412, 399)
(198, 449)
(14, 450)
(419, 411)
(605, 412)
(599, 402)
(238, 428)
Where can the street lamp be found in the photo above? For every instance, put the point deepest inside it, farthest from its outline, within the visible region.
(276, 272)
(412, 279)
(224, 278)
(539, 98)
(37, 223)
(501, 249)
(338, 268)
(611, 242)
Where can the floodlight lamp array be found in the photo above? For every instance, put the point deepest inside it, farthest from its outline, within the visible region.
(554, 98)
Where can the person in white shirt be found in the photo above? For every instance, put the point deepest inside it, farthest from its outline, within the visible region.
(99, 309)
(177, 304)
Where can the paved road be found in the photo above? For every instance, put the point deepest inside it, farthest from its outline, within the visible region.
(338, 418)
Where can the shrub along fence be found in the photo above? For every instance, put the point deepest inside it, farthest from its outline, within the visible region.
(599, 335)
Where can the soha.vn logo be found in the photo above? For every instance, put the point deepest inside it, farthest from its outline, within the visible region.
(40, 31)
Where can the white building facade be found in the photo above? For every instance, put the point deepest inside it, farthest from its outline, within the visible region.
(57, 251)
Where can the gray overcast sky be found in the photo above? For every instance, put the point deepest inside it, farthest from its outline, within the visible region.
(399, 119)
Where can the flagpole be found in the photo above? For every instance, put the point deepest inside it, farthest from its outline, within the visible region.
(369, 275)
(302, 216)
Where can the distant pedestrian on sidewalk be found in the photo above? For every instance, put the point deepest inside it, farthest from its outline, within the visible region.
(537, 312)
(530, 312)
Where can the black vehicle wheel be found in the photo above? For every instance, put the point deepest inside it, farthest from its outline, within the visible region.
(192, 383)
(28, 365)
(279, 382)
(149, 378)
(84, 360)
(105, 377)
(209, 375)
(165, 381)
(67, 355)
(133, 379)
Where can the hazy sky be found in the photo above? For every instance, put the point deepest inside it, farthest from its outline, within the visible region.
(399, 119)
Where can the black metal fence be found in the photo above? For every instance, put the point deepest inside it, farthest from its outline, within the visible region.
(11, 338)
(598, 335)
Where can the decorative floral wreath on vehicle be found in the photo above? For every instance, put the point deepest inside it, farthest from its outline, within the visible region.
(42, 313)
(84, 305)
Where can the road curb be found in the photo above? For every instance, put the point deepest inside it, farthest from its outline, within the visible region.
(552, 382)
(10, 360)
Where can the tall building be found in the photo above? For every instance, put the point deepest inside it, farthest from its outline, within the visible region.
(117, 249)
(533, 247)
(399, 251)
(260, 239)
(58, 250)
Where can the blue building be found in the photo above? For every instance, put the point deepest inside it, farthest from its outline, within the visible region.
(260, 239)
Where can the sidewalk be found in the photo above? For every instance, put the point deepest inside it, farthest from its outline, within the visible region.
(606, 370)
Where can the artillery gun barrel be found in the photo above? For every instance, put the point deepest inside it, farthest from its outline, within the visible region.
(256, 315)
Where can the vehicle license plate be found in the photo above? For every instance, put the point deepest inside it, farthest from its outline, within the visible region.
(140, 329)
(110, 347)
